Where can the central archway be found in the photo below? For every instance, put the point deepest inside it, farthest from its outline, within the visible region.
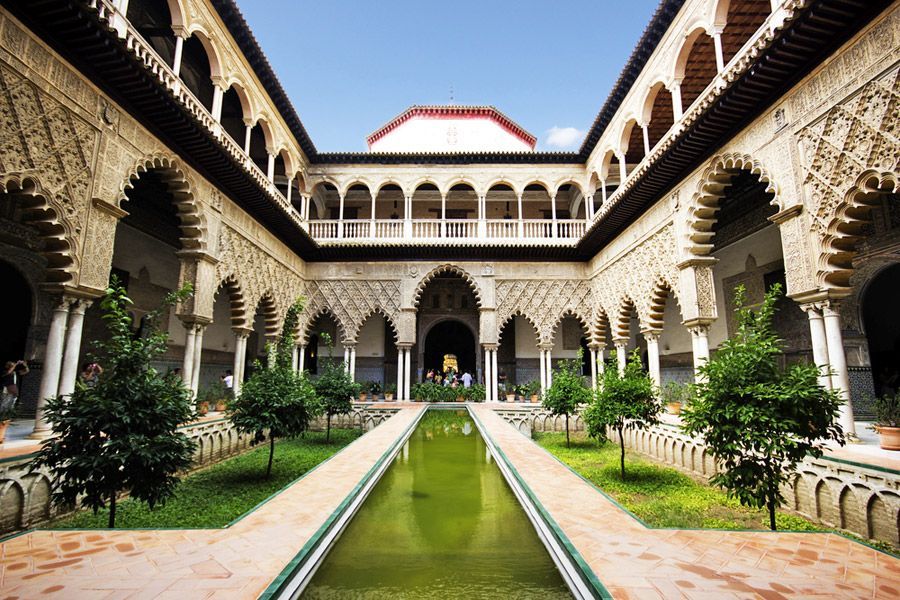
(450, 337)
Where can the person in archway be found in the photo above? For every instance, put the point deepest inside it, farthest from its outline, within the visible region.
(9, 384)
(467, 379)
(90, 374)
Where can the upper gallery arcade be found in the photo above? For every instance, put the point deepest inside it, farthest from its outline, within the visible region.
(745, 142)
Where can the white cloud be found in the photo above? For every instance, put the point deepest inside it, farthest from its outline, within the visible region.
(564, 137)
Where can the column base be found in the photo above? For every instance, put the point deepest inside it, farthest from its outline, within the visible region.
(41, 434)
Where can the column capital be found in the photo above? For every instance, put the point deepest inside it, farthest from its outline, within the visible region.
(491, 347)
(698, 329)
(651, 334)
(620, 342)
(546, 346)
(242, 332)
(812, 309)
(697, 261)
(405, 346)
(831, 308)
(194, 320)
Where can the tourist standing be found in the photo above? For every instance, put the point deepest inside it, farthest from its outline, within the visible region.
(9, 383)
(228, 379)
(467, 379)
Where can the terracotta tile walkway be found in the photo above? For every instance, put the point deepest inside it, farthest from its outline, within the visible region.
(238, 562)
(633, 561)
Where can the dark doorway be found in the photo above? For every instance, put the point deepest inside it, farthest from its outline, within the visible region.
(450, 337)
(882, 324)
(17, 312)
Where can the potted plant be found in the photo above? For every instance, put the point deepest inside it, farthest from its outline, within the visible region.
(374, 389)
(887, 421)
(364, 391)
(476, 393)
(417, 391)
(510, 392)
(216, 395)
(202, 406)
(675, 395)
(6, 415)
(389, 391)
(533, 391)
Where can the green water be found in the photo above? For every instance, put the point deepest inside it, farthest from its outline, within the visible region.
(441, 523)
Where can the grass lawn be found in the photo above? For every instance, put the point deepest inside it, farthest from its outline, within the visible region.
(663, 496)
(216, 495)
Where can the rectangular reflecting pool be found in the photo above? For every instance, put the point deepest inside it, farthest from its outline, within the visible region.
(441, 523)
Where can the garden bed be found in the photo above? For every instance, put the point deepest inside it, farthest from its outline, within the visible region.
(662, 496)
(215, 496)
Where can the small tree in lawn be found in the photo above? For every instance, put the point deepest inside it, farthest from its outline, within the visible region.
(276, 401)
(758, 418)
(335, 388)
(567, 392)
(627, 401)
(121, 434)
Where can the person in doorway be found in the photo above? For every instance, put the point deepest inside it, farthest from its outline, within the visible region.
(90, 373)
(429, 377)
(228, 379)
(9, 383)
(467, 379)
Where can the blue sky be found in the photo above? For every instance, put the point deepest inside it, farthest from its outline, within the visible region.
(350, 66)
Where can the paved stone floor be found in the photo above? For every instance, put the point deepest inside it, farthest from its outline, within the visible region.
(238, 562)
(633, 561)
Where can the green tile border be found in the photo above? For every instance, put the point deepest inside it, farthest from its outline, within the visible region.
(648, 526)
(278, 584)
(587, 574)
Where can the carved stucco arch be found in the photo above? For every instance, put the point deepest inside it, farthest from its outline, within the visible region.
(576, 314)
(267, 306)
(313, 316)
(191, 215)
(447, 268)
(712, 188)
(843, 233)
(352, 301)
(663, 293)
(498, 181)
(356, 181)
(600, 326)
(621, 326)
(388, 318)
(47, 214)
(231, 286)
(460, 180)
(510, 319)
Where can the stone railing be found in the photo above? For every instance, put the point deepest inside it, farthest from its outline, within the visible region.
(561, 232)
(859, 498)
(25, 495)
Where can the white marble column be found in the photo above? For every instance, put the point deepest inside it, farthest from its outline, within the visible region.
(301, 359)
(407, 364)
(240, 352)
(198, 355)
(187, 363)
(179, 51)
(840, 377)
(700, 346)
(646, 135)
(400, 395)
(554, 232)
(593, 350)
(294, 358)
(73, 348)
(218, 95)
(52, 365)
(601, 360)
(819, 342)
(488, 375)
(549, 367)
(352, 363)
(347, 359)
(495, 385)
(720, 58)
(621, 354)
(543, 369)
(676, 100)
(652, 339)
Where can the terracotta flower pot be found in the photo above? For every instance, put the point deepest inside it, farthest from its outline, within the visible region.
(220, 406)
(534, 398)
(510, 397)
(388, 397)
(674, 408)
(890, 437)
(362, 397)
(203, 408)
(3, 426)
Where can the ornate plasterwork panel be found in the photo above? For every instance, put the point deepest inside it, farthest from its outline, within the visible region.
(258, 273)
(351, 302)
(41, 137)
(858, 136)
(544, 302)
(637, 275)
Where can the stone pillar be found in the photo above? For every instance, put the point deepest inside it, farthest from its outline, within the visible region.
(593, 350)
(495, 386)
(187, 363)
(720, 58)
(179, 50)
(700, 346)
(554, 232)
(840, 377)
(270, 167)
(589, 208)
(623, 168)
(198, 355)
(352, 363)
(646, 135)
(543, 369)
(819, 342)
(294, 359)
(675, 90)
(549, 361)
(240, 354)
(601, 359)
(443, 215)
(407, 217)
(301, 359)
(218, 94)
(347, 358)
(488, 375)
(521, 223)
(248, 132)
(73, 348)
(407, 364)
(52, 365)
(652, 339)
(621, 354)
(400, 395)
